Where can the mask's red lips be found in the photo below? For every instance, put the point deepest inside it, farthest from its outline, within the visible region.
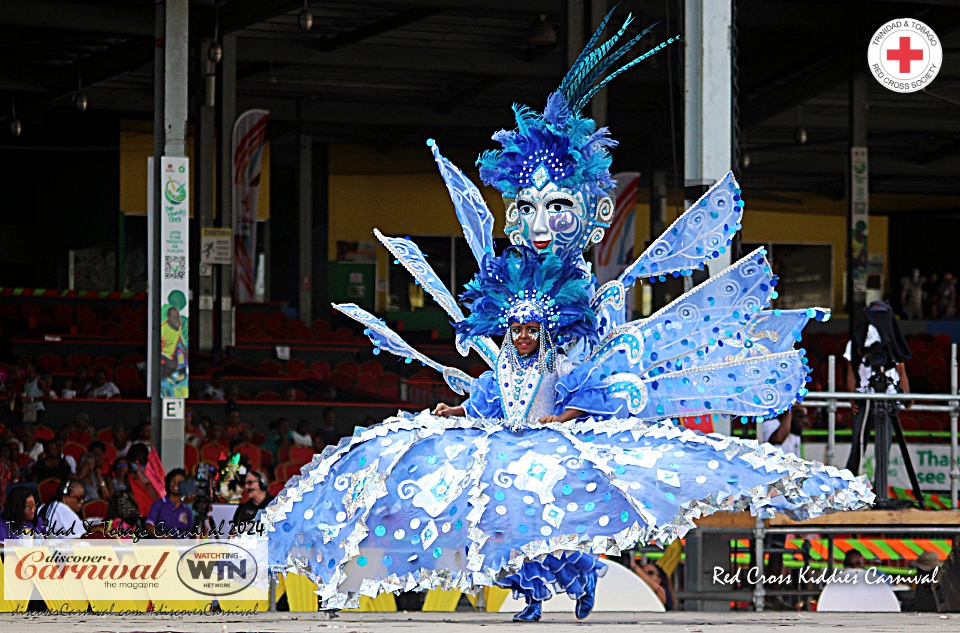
(541, 244)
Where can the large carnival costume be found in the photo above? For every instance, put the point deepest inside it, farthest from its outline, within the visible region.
(495, 496)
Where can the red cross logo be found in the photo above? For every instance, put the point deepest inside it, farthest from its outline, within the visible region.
(905, 54)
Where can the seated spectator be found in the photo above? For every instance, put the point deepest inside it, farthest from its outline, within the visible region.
(94, 487)
(785, 431)
(234, 425)
(31, 447)
(329, 428)
(278, 437)
(20, 461)
(318, 444)
(193, 433)
(658, 580)
(61, 517)
(255, 487)
(69, 391)
(924, 600)
(120, 441)
(46, 386)
(854, 560)
(143, 434)
(302, 437)
(20, 514)
(82, 382)
(99, 449)
(103, 388)
(214, 390)
(217, 434)
(81, 427)
(9, 470)
(121, 504)
(52, 464)
(140, 486)
(9, 436)
(170, 514)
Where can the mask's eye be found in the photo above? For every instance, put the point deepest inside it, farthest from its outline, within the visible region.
(525, 208)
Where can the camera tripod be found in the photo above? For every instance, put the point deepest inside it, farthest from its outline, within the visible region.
(882, 416)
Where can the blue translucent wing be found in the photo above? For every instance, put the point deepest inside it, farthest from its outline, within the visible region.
(383, 337)
(769, 332)
(470, 206)
(700, 234)
(409, 254)
(755, 387)
(609, 304)
(674, 337)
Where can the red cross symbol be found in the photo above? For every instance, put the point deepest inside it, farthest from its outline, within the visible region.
(905, 54)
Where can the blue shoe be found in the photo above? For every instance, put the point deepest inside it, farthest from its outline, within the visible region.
(588, 599)
(530, 613)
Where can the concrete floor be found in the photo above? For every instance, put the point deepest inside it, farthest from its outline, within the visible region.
(477, 623)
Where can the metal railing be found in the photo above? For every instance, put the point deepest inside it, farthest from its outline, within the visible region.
(832, 400)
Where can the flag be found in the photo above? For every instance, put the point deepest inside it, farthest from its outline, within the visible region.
(248, 140)
(615, 252)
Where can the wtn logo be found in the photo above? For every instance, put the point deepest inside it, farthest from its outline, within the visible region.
(225, 569)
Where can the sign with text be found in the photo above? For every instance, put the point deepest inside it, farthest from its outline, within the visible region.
(172, 408)
(176, 569)
(174, 280)
(215, 246)
(931, 461)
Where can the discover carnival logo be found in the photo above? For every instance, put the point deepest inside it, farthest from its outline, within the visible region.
(905, 55)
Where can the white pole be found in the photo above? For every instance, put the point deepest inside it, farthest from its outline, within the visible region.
(831, 409)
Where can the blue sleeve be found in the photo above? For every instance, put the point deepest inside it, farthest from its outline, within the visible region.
(484, 400)
(583, 389)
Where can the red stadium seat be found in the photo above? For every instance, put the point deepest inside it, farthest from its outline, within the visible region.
(271, 368)
(295, 367)
(275, 488)
(373, 368)
(212, 452)
(49, 362)
(251, 452)
(368, 383)
(191, 457)
(43, 433)
(268, 396)
(47, 489)
(300, 454)
(94, 509)
(74, 450)
(322, 368)
(76, 359)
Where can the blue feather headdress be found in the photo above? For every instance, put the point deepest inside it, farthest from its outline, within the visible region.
(522, 286)
(561, 145)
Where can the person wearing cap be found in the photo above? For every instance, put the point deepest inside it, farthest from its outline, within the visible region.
(923, 600)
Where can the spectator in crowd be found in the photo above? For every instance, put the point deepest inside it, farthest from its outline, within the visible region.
(233, 394)
(948, 296)
(214, 390)
(82, 382)
(46, 386)
(318, 444)
(658, 580)
(785, 430)
(217, 434)
(9, 436)
(103, 388)
(20, 514)
(20, 461)
(193, 433)
(68, 392)
(121, 504)
(234, 425)
(170, 515)
(51, 464)
(279, 437)
(81, 427)
(94, 486)
(99, 449)
(142, 434)
(31, 447)
(924, 600)
(302, 437)
(255, 487)
(120, 441)
(32, 396)
(61, 516)
(328, 430)
(9, 470)
(854, 560)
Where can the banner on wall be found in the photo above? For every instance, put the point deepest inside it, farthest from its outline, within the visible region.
(248, 140)
(174, 289)
(859, 221)
(931, 462)
(616, 250)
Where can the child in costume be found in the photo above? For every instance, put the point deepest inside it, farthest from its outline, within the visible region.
(569, 446)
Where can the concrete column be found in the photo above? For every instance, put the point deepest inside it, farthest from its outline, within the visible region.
(153, 312)
(228, 116)
(305, 208)
(708, 128)
(206, 178)
(858, 198)
(575, 39)
(175, 108)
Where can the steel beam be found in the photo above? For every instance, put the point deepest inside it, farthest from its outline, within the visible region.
(120, 19)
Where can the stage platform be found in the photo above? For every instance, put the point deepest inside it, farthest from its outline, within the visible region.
(913, 517)
(484, 623)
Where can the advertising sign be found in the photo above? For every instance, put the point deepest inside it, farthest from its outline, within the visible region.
(248, 140)
(174, 282)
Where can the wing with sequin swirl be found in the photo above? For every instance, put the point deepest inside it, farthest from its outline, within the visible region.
(384, 338)
(472, 211)
(700, 234)
(409, 255)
